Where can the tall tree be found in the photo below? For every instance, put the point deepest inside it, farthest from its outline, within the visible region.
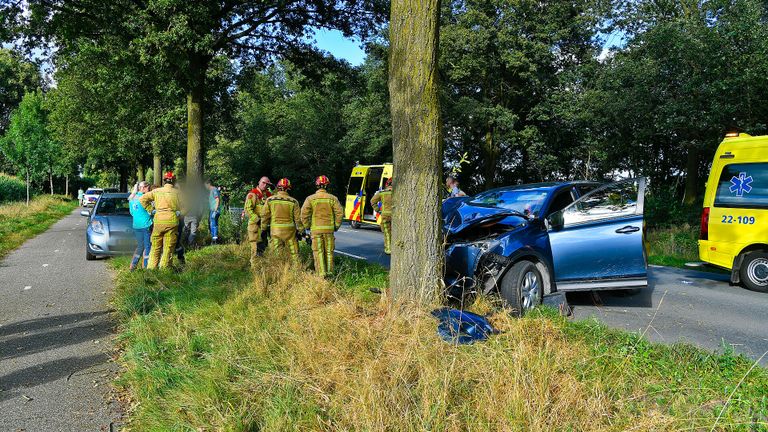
(184, 36)
(417, 243)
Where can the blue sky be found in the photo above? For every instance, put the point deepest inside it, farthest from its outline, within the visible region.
(335, 43)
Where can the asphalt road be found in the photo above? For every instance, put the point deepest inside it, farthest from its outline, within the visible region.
(678, 306)
(55, 335)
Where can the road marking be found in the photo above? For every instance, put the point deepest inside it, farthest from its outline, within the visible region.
(45, 265)
(56, 250)
(348, 254)
(27, 288)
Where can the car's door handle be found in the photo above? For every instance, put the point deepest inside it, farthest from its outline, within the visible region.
(628, 229)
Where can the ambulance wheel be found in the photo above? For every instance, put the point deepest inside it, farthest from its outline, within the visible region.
(522, 287)
(754, 271)
(355, 224)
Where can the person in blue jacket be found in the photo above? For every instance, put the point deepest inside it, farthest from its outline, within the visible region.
(142, 225)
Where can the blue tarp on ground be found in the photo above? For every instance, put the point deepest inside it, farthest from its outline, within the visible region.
(462, 327)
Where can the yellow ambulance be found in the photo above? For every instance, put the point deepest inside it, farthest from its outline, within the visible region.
(364, 181)
(734, 221)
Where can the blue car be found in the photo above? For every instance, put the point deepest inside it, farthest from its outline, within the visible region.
(529, 241)
(110, 227)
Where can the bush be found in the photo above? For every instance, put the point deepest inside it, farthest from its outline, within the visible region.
(664, 209)
(12, 189)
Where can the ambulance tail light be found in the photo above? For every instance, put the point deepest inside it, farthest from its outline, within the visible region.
(704, 232)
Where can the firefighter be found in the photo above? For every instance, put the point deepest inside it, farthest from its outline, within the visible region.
(254, 202)
(322, 213)
(167, 209)
(281, 212)
(384, 197)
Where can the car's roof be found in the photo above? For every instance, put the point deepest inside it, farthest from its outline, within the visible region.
(116, 195)
(545, 186)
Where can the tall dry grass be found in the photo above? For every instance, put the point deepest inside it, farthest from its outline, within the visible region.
(20, 222)
(286, 350)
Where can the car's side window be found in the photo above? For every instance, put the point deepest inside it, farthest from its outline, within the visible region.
(561, 201)
(584, 189)
(612, 201)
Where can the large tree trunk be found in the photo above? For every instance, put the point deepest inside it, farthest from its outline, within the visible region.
(195, 121)
(417, 244)
(491, 154)
(123, 171)
(157, 169)
(691, 177)
(140, 173)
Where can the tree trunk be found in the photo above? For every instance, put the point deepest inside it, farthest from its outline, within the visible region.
(27, 187)
(195, 122)
(50, 181)
(66, 185)
(691, 177)
(123, 171)
(157, 169)
(491, 159)
(140, 173)
(417, 243)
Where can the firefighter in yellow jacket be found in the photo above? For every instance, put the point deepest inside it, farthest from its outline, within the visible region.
(167, 209)
(282, 213)
(254, 202)
(384, 197)
(322, 213)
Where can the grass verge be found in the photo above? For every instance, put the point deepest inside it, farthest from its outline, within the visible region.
(217, 347)
(19, 222)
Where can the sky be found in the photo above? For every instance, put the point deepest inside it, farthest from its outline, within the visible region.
(335, 43)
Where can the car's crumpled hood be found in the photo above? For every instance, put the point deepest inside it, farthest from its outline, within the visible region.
(459, 214)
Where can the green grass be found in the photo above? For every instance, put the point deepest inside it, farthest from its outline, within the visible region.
(673, 246)
(19, 222)
(218, 347)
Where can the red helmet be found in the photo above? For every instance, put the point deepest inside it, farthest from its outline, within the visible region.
(389, 182)
(169, 176)
(284, 184)
(322, 181)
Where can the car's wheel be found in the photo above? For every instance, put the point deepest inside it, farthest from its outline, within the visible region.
(89, 256)
(754, 271)
(354, 224)
(522, 287)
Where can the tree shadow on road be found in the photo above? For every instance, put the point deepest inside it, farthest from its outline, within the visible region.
(45, 373)
(35, 324)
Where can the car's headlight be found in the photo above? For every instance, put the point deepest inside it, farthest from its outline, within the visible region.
(97, 226)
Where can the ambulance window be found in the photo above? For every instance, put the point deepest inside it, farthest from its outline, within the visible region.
(355, 185)
(743, 186)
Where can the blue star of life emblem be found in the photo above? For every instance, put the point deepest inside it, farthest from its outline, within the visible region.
(741, 184)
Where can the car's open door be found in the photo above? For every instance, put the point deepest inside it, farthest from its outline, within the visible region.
(597, 242)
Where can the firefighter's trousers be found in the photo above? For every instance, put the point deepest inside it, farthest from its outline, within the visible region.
(322, 251)
(164, 238)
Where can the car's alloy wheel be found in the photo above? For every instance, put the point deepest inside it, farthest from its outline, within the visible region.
(522, 287)
(754, 271)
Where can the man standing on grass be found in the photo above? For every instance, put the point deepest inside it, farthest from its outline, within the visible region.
(281, 212)
(214, 205)
(167, 210)
(254, 203)
(322, 213)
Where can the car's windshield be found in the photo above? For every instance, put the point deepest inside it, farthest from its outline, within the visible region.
(528, 202)
(113, 206)
(93, 192)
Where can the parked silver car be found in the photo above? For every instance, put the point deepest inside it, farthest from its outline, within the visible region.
(110, 230)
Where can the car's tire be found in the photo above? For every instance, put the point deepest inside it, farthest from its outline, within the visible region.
(354, 224)
(754, 271)
(522, 287)
(89, 256)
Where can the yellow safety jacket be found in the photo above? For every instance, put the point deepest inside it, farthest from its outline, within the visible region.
(281, 212)
(166, 203)
(385, 197)
(322, 212)
(253, 206)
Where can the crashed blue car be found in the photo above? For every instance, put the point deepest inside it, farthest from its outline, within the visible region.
(530, 241)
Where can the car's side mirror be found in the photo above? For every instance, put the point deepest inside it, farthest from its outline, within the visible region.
(85, 213)
(555, 221)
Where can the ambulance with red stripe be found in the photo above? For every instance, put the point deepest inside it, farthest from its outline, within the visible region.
(364, 181)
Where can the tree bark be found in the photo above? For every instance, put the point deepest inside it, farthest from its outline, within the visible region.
(691, 177)
(195, 112)
(140, 173)
(123, 171)
(491, 159)
(417, 243)
(157, 169)
(66, 185)
(27, 186)
(50, 181)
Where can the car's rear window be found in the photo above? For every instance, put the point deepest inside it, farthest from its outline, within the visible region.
(93, 192)
(113, 206)
(743, 185)
(523, 201)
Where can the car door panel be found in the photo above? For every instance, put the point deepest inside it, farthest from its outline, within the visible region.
(600, 236)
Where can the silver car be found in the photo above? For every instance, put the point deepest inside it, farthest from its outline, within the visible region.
(110, 227)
